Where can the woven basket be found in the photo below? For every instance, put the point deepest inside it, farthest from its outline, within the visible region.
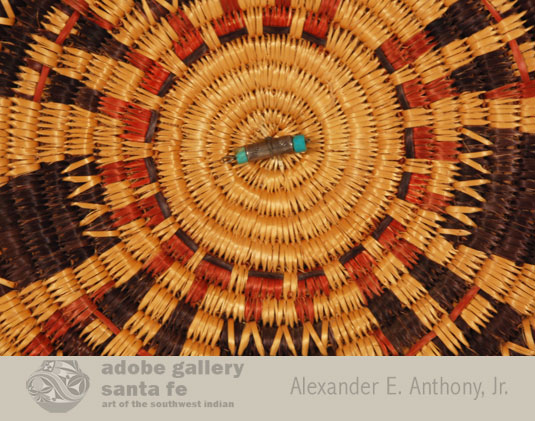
(406, 228)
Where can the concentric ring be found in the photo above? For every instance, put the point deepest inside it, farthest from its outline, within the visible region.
(319, 194)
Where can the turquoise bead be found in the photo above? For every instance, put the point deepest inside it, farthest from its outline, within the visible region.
(300, 144)
(241, 156)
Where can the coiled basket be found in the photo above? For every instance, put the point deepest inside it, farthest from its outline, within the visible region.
(406, 228)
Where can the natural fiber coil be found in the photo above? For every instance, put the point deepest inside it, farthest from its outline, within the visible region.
(406, 228)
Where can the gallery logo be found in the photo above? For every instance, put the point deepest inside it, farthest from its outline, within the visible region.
(58, 385)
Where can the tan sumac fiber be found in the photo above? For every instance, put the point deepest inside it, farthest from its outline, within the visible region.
(303, 208)
(405, 228)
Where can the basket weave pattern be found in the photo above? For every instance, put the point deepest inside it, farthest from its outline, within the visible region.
(407, 227)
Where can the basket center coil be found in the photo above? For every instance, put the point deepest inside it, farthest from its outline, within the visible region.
(301, 211)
